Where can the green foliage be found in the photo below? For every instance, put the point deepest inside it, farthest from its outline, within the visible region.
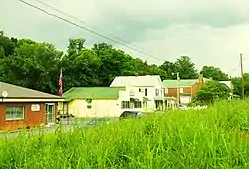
(35, 65)
(214, 73)
(212, 91)
(169, 69)
(211, 138)
(186, 68)
(8, 44)
(237, 84)
(32, 65)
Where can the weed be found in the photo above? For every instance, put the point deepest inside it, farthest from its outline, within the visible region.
(216, 137)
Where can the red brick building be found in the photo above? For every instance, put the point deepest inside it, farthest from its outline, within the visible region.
(187, 88)
(24, 108)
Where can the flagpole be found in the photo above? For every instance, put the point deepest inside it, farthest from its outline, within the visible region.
(62, 93)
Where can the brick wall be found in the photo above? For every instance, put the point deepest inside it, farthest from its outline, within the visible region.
(31, 118)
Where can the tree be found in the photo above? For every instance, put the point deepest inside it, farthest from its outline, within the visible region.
(75, 46)
(82, 70)
(1, 52)
(8, 44)
(113, 63)
(156, 70)
(32, 65)
(169, 69)
(35, 65)
(214, 73)
(237, 84)
(186, 68)
(212, 90)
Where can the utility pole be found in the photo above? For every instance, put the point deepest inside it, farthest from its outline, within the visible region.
(242, 78)
(178, 78)
(177, 87)
(231, 86)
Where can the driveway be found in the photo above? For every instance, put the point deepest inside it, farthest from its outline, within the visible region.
(66, 124)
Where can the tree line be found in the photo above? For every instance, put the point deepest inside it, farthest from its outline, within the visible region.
(28, 63)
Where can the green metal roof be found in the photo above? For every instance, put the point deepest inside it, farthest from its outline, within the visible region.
(92, 93)
(183, 82)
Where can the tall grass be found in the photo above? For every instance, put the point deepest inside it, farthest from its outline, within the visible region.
(211, 138)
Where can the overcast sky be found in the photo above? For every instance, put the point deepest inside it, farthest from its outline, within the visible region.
(211, 32)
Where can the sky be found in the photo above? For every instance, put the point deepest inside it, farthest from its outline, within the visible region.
(212, 32)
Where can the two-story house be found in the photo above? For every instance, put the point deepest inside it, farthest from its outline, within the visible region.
(142, 92)
(187, 88)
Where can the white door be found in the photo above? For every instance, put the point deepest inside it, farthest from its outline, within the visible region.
(185, 99)
(50, 113)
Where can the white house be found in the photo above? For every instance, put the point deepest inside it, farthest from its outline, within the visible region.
(142, 92)
(228, 84)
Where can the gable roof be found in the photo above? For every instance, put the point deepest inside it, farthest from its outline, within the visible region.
(93, 93)
(24, 93)
(137, 81)
(229, 84)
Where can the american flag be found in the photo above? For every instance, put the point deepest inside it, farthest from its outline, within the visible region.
(60, 85)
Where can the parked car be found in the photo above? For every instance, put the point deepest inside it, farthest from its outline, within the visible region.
(131, 114)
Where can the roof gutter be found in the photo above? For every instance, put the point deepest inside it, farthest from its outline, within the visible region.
(31, 100)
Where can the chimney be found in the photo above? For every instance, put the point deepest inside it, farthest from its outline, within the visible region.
(136, 74)
(200, 79)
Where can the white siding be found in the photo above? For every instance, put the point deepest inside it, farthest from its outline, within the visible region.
(100, 108)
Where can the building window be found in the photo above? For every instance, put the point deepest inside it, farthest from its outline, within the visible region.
(181, 90)
(138, 104)
(166, 90)
(125, 105)
(14, 112)
(139, 90)
(132, 93)
(146, 92)
(159, 104)
(157, 92)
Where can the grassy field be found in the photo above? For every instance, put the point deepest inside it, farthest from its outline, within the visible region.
(211, 138)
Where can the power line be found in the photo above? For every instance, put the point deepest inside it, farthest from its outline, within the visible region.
(89, 30)
(81, 21)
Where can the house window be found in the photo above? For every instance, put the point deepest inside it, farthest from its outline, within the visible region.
(181, 90)
(14, 112)
(125, 105)
(138, 104)
(166, 90)
(157, 92)
(139, 90)
(146, 92)
(132, 93)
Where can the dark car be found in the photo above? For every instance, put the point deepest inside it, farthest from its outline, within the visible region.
(130, 114)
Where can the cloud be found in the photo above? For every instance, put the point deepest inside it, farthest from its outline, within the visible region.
(210, 32)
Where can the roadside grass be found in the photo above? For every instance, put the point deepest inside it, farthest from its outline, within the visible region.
(216, 137)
